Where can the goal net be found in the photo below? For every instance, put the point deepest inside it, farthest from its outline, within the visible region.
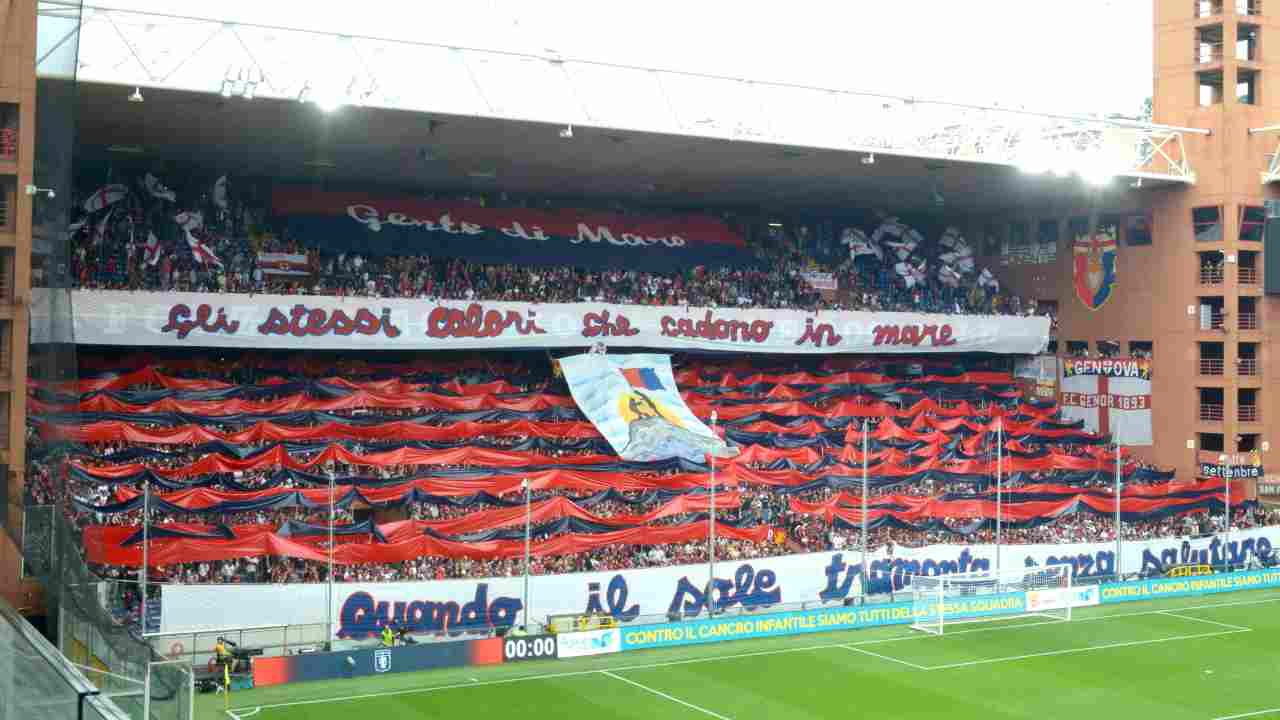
(940, 600)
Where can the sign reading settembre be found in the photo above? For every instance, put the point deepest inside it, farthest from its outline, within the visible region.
(1231, 466)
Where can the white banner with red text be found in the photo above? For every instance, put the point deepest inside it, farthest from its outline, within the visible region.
(479, 604)
(146, 319)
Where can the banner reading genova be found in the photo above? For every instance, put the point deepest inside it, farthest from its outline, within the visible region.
(359, 609)
(154, 319)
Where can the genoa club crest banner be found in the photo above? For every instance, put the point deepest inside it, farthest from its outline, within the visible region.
(1111, 396)
(383, 225)
(1094, 268)
(633, 401)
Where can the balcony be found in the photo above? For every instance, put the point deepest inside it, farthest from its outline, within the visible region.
(1246, 367)
(1248, 276)
(1210, 412)
(1212, 321)
(1207, 8)
(1246, 7)
(1206, 53)
(8, 144)
(1248, 321)
(1247, 413)
(1210, 366)
(1211, 275)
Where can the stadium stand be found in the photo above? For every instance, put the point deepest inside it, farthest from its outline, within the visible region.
(427, 458)
(143, 235)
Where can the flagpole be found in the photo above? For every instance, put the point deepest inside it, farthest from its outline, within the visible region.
(528, 521)
(865, 584)
(146, 549)
(1226, 528)
(999, 489)
(329, 584)
(1119, 561)
(711, 527)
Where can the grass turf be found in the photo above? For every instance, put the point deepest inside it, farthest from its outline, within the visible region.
(1196, 658)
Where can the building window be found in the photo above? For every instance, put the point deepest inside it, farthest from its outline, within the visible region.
(1248, 268)
(1211, 442)
(1212, 402)
(1078, 227)
(1212, 314)
(1246, 86)
(1138, 230)
(1141, 349)
(1209, 87)
(1208, 48)
(1253, 219)
(1247, 42)
(1206, 223)
(1211, 268)
(1208, 8)
(1078, 348)
(1247, 360)
(1211, 358)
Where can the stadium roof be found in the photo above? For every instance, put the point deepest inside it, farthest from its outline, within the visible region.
(495, 120)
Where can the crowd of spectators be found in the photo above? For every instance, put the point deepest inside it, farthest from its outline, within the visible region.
(760, 505)
(135, 244)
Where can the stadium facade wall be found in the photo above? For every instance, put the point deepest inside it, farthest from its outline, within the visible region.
(119, 318)
(640, 595)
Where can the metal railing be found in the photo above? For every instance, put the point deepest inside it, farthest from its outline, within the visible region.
(553, 89)
(1215, 321)
(1210, 412)
(1207, 8)
(1248, 321)
(1247, 366)
(1246, 7)
(197, 646)
(1211, 275)
(1211, 366)
(1247, 413)
(1248, 275)
(1208, 52)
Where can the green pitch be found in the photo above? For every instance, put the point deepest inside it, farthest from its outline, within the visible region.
(1204, 658)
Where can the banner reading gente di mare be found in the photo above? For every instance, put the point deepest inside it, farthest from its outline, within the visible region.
(630, 596)
(386, 225)
(108, 317)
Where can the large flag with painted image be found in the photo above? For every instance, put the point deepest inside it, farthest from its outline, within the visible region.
(633, 401)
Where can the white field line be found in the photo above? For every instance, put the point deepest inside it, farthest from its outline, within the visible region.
(884, 657)
(1091, 648)
(1255, 713)
(1205, 620)
(913, 635)
(661, 694)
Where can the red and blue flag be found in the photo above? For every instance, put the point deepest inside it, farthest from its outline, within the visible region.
(643, 378)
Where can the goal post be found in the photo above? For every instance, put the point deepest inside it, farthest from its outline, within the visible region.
(941, 600)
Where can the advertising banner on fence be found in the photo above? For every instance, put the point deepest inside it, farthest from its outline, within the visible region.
(694, 632)
(360, 609)
(592, 642)
(1112, 396)
(307, 667)
(381, 225)
(110, 317)
(634, 402)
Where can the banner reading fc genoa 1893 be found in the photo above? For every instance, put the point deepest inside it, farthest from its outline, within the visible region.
(633, 401)
(1112, 396)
